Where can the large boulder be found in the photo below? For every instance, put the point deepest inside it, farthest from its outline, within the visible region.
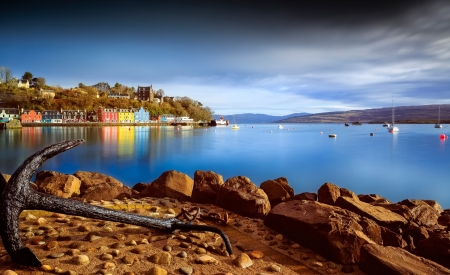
(89, 179)
(206, 186)
(376, 260)
(97, 186)
(171, 184)
(105, 191)
(380, 215)
(42, 175)
(328, 193)
(240, 195)
(435, 248)
(277, 190)
(372, 198)
(421, 212)
(62, 185)
(391, 238)
(334, 232)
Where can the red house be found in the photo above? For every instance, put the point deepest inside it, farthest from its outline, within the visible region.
(31, 116)
(107, 115)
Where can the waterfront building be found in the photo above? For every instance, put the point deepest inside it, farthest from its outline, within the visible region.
(47, 93)
(126, 116)
(92, 116)
(107, 115)
(145, 93)
(167, 118)
(6, 114)
(69, 116)
(30, 116)
(120, 96)
(141, 116)
(52, 116)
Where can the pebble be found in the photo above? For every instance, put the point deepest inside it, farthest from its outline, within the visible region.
(106, 257)
(243, 261)
(120, 237)
(129, 260)
(77, 245)
(81, 260)
(38, 240)
(9, 272)
(255, 254)
(58, 270)
(275, 268)
(109, 265)
(167, 248)
(51, 245)
(317, 264)
(144, 241)
(206, 259)
(84, 228)
(186, 270)
(185, 245)
(137, 250)
(30, 217)
(160, 258)
(182, 254)
(115, 253)
(279, 237)
(157, 271)
(200, 250)
(46, 267)
(41, 221)
(56, 255)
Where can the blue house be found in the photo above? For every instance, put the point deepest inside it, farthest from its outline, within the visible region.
(51, 116)
(141, 116)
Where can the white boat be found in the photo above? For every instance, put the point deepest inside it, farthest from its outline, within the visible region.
(280, 126)
(235, 127)
(438, 125)
(386, 124)
(392, 128)
(332, 135)
(219, 122)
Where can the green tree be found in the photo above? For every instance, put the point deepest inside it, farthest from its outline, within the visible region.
(27, 76)
(38, 83)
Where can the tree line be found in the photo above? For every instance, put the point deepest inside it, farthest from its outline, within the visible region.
(89, 98)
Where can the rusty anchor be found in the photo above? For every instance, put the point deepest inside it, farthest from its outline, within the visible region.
(17, 195)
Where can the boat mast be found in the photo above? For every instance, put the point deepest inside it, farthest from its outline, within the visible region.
(393, 112)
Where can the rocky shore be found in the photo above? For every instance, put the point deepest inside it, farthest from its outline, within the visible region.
(272, 230)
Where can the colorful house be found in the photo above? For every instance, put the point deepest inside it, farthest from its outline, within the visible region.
(23, 83)
(31, 116)
(69, 116)
(52, 116)
(107, 115)
(126, 116)
(141, 116)
(6, 114)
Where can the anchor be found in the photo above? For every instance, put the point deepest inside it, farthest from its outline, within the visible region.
(17, 195)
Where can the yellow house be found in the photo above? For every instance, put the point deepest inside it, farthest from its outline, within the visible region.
(126, 116)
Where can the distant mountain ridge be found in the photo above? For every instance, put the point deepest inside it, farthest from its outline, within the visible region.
(403, 114)
(257, 118)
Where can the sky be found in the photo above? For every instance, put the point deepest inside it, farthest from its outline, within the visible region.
(266, 57)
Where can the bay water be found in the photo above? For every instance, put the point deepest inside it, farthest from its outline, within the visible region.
(411, 164)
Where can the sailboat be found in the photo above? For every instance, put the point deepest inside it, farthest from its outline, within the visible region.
(234, 126)
(438, 125)
(392, 128)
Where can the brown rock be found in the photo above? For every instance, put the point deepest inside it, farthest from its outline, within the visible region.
(62, 185)
(104, 191)
(417, 233)
(277, 190)
(206, 186)
(421, 212)
(435, 205)
(402, 210)
(380, 215)
(139, 187)
(436, 248)
(331, 231)
(42, 175)
(241, 196)
(171, 184)
(243, 261)
(328, 193)
(376, 259)
(391, 238)
(89, 179)
(306, 196)
(372, 198)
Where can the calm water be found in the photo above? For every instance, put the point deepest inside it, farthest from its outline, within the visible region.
(413, 163)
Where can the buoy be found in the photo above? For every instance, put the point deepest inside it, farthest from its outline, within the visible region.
(320, 132)
(371, 134)
(271, 131)
(442, 136)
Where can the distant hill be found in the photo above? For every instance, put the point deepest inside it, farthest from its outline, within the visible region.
(257, 118)
(403, 114)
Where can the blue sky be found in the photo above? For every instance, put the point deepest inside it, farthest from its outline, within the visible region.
(271, 57)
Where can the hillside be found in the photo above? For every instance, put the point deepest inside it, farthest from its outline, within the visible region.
(403, 114)
(257, 118)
